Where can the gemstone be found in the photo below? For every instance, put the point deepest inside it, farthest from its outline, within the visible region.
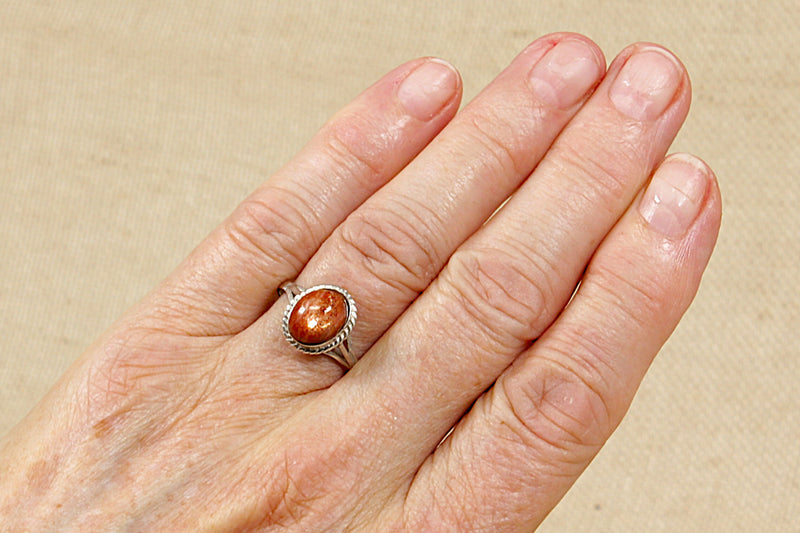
(318, 316)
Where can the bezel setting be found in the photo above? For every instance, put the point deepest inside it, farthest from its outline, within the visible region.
(340, 337)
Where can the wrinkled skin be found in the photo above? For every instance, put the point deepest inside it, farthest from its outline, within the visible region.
(193, 413)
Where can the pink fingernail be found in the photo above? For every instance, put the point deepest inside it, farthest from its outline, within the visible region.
(646, 85)
(428, 88)
(564, 75)
(674, 196)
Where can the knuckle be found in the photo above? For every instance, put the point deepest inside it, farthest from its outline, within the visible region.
(136, 376)
(308, 486)
(601, 174)
(289, 497)
(588, 350)
(184, 308)
(640, 300)
(503, 152)
(393, 245)
(498, 293)
(277, 231)
(558, 411)
(117, 373)
(349, 145)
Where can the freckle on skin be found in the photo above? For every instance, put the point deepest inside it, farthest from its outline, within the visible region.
(106, 424)
(102, 428)
(41, 474)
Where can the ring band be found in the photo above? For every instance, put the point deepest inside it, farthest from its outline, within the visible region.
(318, 320)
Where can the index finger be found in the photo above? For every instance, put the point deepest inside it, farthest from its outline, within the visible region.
(232, 276)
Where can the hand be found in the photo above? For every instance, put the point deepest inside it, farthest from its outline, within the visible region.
(194, 413)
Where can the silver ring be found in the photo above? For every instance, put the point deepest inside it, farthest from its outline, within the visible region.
(318, 320)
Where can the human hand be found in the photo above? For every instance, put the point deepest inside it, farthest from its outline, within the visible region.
(194, 413)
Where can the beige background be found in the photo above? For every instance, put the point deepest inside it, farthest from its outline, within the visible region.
(128, 129)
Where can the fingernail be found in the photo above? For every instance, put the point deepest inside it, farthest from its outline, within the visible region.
(564, 75)
(428, 88)
(646, 84)
(674, 196)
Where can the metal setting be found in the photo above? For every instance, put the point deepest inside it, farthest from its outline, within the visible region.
(337, 347)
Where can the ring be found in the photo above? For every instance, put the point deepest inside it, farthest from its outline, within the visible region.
(318, 320)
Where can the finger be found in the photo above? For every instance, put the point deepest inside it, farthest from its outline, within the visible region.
(390, 248)
(500, 290)
(444, 195)
(525, 441)
(504, 286)
(228, 281)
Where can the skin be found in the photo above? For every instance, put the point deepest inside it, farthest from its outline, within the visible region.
(193, 413)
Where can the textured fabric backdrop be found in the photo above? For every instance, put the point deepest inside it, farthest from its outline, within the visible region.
(129, 129)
